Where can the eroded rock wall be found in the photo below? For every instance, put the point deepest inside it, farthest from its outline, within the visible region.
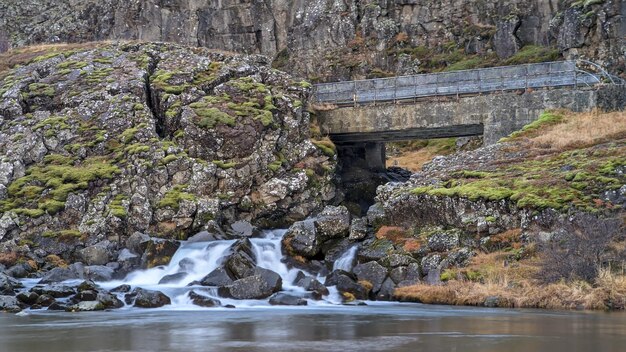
(329, 39)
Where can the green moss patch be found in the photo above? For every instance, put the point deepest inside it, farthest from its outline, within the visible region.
(541, 183)
(173, 197)
(117, 208)
(45, 187)
(72, 65)
(224, 165)
(40, 89)
(251, 100)
(533, 54)
(208, 76)
(547, 118)
(161, 81)
(326, 146)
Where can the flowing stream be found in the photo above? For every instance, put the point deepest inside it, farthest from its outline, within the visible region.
(323, 325)
(198, 259)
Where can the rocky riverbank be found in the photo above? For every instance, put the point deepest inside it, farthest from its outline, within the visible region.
(506, 225)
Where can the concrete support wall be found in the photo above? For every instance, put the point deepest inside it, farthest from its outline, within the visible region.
(497, 114)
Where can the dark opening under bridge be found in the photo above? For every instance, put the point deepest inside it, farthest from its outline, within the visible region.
(492, 102)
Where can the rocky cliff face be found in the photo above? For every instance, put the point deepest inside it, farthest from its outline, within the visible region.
(98, 143)
(325, 39)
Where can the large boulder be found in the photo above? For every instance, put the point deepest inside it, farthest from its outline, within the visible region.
(240, 259)
(406, 275)
(109, 300)
(217, 277)
(86, 295)
(19, 270)
(374, 249)
(171, 278)
(395, 260)
(373, 273)
(284, 299)
(98, 273)
(347, 285)
(261, 285)
(128, 261)
(243, 228)
(8, 285)
(9, 304)
(203, 301)
(333, 249)
(431, 262)
(54, 290)
(351, 289)
(385, 293)
(333, 222)
(443, 241)
(302, 239)
(59, 274)
(28, 298)
(137, 242)
(143, 298)
(358, 229)
(333, 277)
(86, 306)
(97, 254)
(159, 252)
(312, 284)
(45, 300)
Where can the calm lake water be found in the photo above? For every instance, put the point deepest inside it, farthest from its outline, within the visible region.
(384, 327)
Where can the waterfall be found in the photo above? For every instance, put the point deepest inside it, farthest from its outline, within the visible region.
(197, 259)
(346, 261)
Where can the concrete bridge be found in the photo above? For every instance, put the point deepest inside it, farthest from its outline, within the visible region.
(493, 102)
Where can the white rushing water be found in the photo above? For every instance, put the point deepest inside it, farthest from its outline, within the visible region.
(346, 261)
(198, 259)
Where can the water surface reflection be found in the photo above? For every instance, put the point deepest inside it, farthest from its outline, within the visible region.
(398, 327)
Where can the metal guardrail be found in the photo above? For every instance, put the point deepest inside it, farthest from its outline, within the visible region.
(476, 81)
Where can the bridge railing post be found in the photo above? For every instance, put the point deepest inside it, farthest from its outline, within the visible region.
(414, 89)
(526, 80)
(375, 92)
(395, 90)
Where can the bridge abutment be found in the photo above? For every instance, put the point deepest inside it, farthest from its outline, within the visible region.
(494, 116)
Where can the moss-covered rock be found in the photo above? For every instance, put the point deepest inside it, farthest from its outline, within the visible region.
(116, 138)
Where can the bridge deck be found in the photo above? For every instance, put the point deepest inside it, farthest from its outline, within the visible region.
(477, 81)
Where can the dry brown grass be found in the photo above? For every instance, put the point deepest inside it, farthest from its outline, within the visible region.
(8, 258)
(414, 154)
(582, 129)
(393, 233)
(515, 287)
(23, 55)
(412, 245)
(574, 295)
(412, 160)
(56, 261)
